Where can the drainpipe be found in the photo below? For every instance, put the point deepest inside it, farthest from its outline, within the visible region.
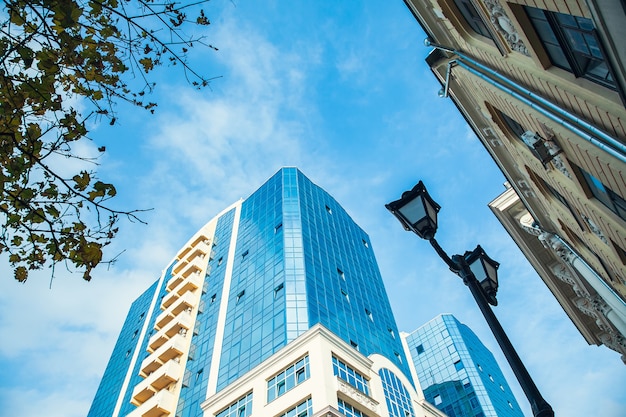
(598, 137)
(619, 153)
(617, 307)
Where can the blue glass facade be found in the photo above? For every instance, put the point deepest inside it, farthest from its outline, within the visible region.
(301, 260)
(123, 352)
(289, 257)
(457, 373)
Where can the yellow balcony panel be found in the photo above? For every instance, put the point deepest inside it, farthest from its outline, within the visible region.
(169, 299)
(200, 240)
(175, 347)
(186, 302)
(192, 283)
(164, 318)
(200, 263)
(171, 371)
(183, 252)
(180, 265)
(198, 253)
(182, 322)
(171, 349)
(157, 340)
(163, 403)
(150, 364)
(174, 281)
(191, 269)
(156, 381)
(142, 393)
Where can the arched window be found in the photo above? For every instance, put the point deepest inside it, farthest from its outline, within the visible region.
(397, 396)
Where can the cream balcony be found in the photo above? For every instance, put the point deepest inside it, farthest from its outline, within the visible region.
(171, 349)
(175, 281)
(195, 266)
(156, 381)
(179, 266)
(161, 404)
(180, 324)
(191, 283)
(202, 242)
(187, 301)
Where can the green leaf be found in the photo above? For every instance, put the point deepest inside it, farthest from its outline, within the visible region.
(81, 181)
(147, 64)
(21, 274)
(52, 211)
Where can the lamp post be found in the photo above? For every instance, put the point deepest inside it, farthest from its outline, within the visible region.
(417, 212)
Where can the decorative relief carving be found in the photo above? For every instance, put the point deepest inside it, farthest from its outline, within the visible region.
(505, 27)
(590, 305)
(615, 342)
(595, 229)
(357, 395)
(527, 222)
(550, 241)
(558, 163)
(562, 273)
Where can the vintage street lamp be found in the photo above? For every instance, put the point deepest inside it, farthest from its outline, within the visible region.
(417, 212)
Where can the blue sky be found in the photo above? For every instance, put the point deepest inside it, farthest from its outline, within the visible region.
(339, 89)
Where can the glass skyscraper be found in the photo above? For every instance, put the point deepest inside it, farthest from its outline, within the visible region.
(284, 265)
(457, 373)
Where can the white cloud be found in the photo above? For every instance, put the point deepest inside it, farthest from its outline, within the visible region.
(204, 150)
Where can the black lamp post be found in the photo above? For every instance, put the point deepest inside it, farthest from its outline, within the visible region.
(417, 212)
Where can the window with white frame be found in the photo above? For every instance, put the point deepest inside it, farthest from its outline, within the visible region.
(288, 379)
(351, 376)
(240, 408)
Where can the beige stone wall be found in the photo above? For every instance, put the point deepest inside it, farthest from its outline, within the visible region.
(594, 231)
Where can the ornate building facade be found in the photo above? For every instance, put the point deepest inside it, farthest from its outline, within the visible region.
(542, 83)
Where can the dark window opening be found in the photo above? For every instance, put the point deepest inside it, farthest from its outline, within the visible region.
(605, 195)
(472, 17)
(572, 44)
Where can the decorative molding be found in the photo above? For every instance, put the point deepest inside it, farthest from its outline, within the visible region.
(595, 229)
(563, 274)
(357, 395)
(525, 188)
(550, 241)
(559, 164)
(505, 26)
(527, 223)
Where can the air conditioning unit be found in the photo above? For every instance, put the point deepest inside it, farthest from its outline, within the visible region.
(542, 150)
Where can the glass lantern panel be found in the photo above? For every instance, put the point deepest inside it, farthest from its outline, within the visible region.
(413, 211)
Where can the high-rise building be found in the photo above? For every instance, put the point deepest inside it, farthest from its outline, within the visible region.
(543, 86)
(275, 307)
(458, 374)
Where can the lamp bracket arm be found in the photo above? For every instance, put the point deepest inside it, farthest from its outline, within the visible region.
(454, 266)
